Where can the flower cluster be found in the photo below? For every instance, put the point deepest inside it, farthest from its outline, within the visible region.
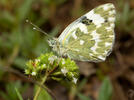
(59, 69)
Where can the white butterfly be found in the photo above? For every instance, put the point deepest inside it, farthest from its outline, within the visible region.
(90, 37)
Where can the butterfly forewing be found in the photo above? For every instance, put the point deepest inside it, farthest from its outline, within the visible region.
(91, 37)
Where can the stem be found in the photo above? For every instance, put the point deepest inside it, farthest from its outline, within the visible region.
(39, 88)
(72, 93)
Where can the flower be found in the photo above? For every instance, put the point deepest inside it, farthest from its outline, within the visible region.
(63, 62)
(64, 71)
(52, 58)
(33, 73)
(27, 71)
(58, 68)
(75, 80)
(44, 65)
(37, 61)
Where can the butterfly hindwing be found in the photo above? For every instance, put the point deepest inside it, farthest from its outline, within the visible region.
(91, 37)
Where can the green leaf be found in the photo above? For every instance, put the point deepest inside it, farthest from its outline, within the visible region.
(18, 94)
(10, 93)
(126, 13)
(6, 19)
(82, 83)
(105, 92)
(82, 97)
(43, 94)
(24, 9)
(19, 62)
(4, 96)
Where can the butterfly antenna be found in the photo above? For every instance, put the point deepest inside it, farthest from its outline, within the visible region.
(35, 27)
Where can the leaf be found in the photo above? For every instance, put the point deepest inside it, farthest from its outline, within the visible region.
(10, 93)
(105, 92)
(24, 9)
(82, 83)
(19, 62)
(82, 97)
(4, 96)
(43, 94)
(6, 19)
(18, 94)
(126, 11)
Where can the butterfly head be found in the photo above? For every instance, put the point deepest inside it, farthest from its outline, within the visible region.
(51, 42)
(54, 43)
(57, 47)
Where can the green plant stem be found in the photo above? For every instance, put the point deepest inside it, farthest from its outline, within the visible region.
(39, 88)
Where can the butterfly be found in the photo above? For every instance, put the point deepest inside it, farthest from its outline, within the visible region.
(90, 37)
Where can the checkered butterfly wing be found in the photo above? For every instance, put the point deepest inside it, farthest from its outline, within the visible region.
(91, 37)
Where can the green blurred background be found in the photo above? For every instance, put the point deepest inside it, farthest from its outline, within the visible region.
(19, 43)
